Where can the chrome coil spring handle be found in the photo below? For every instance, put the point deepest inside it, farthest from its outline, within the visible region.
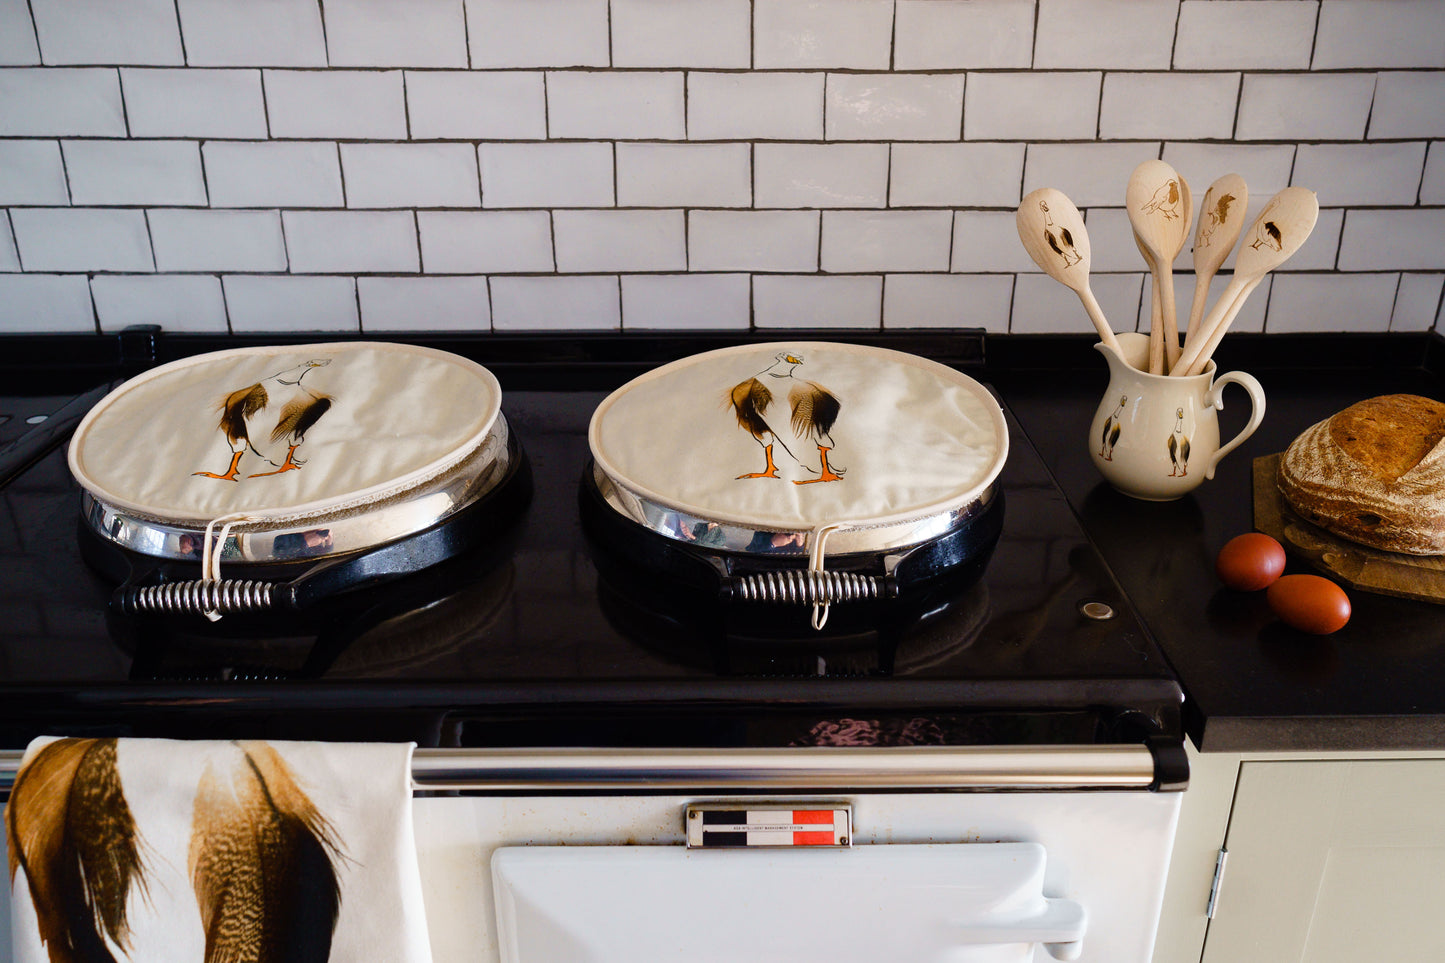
(199, 597)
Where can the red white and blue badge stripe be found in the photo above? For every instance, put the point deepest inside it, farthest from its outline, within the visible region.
(731, 828)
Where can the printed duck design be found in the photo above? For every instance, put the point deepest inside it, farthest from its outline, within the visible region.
(268, 414)
(814, 409)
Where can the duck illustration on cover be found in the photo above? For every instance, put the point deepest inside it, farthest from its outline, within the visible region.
(270, 419)
(813, 411)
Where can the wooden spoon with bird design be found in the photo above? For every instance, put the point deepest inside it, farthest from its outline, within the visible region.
(1052, 231)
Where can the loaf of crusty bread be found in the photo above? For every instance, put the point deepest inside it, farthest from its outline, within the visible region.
(1373, 473)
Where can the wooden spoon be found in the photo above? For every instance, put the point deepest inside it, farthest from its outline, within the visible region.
(1274, 236)
(1221, 217)
(1052, 231)
(1160, 210)
(1155, 358)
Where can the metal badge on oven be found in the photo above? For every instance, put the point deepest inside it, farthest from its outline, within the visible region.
(717, 827)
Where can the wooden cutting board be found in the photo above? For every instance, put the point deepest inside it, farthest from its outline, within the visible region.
(1361, 567)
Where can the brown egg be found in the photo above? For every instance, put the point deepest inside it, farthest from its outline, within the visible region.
(1250, 562)
(1309, 603)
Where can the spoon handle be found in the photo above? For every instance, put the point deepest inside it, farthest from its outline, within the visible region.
(1156, 329)
(1171, 325)
(1207, 326)
(1196, 308)
(1096, 315)
(1217, 333)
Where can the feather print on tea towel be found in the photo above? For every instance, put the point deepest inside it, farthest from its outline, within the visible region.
(261, 862)
(69, 827)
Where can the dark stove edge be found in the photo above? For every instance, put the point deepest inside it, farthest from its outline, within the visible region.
(1374, 734)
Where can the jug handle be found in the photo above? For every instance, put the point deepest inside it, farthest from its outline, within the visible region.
(1215, 400)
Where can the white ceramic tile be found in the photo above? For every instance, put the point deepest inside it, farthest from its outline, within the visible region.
(1368, 33)
(1244, 35)
(336, 103)
(1264, 167)
(17, 34)
(9, 256)
(817, 302)
(755, 106)
(640, 105)
(1183, 298)
(947, 301)
(593, 241)
(272, 173)
(752, 240)
(1362, 174)
(194, 103)
(1319, 252)
(410, 175)
(187, 303)
(525, 33)
(395, 33)
(821, 175)
(1090, 174)
(1042, 305)
(472, 105)
(81, 239)
(259, 303)
(963, 34)
(819, 33)
(856, 241)
(684, 175)
(894, 106)
(31, 172)
(1304, 106)
(424, 304)
(556, 303)
(217, 240)
(1402, 240)
(276, 33)
(1250, 317)
(1330, 302)
(677, 302)
(1111, 240)
(955, 175)
(477, 242)
(1408, 103)
(681, 33)
(1113, 34)
(985, 241)
(60, 101)
(135, 172)
(1044, 105)
(1417, 302)
(344, 242)
(1138, 106)
(35, 303)
(1432, 185)
(546, 175)
(105, 32)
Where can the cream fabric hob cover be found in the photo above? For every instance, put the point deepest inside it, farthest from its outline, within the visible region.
(283, 432)
(799, 435)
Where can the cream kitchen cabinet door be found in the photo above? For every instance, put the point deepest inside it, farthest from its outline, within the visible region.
(1333, 862)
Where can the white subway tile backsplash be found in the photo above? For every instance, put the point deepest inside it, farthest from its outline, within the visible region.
(947, 301)
(9, 256)
(45, 303)
(1330, 302)
(284, 304)
(17, 34)
(595, 241)
(1318, 253)
(479, 242)
(395, 33)
(1362, 174)
(684, 175)
(217, 240)
(410, 175)
(1407, 240)
(60, 101)
(31, 172)
(360, 104)
(588, 302)
(546, 175)
(681, 33)
(1031, 106)
(1168, 106)
(752, 240)
(1112, 34)
(821, 175)
(469, 105)
(955, 175)
(1090, 174)
(424, 304)
(783, 301)
(988, 241)
(343, 242)
(816, 33)
(755, 106)
(1368, 33)
(963, 34)
(1417, 302)
(194, 103)
(1264, 167)
(640, 105)
(1042, 305)
(1432, 185)
(894, 106)
(272, 173)
(1304, 106)
(1408, 103)
(524, 33)
(135, 172)
(1111, 240)
(106, 32)
(186, 303)
(276, 33)
(1251, 313)
(678, 302)
(1244, 34)
(81, 239)
(857, 241)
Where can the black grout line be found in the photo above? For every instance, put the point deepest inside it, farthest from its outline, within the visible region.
(1174, 39)
(181, 34)
(325, 41)
(65, 173)
(1394, 301)
(467, 37)
(405, 105)
(1034, 38)
(892, 52)
(1370, 112)
(265, 104)
(1314, 38)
